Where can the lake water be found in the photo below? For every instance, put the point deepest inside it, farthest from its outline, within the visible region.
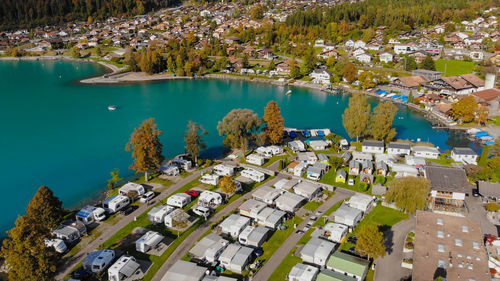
(59, 133)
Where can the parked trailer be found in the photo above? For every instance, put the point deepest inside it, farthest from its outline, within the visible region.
(98, 261)
(148, 241)
(115, 203)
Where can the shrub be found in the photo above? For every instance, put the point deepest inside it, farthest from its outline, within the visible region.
(363, 186)
(208, 162)
(200, 162)
(492, 207)
(409, 245)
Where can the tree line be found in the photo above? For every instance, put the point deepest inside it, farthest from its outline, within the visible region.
(29, 13)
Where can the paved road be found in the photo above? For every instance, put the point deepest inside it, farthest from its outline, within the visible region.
(389, 268)
(110, 230)
(265, 272)
(184, 247)
(478, 212)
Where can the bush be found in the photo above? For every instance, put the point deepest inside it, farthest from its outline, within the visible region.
(492, 207)
(208, 162)
(200, 162)
(409, 245)
(363, 186)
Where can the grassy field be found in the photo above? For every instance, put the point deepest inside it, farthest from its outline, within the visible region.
(381, 216)
(455, 67)
(286, 265)
(443, 160)
(278, 238)
(495, 121)
(329, 178)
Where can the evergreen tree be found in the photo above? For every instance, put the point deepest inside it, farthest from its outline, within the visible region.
(370, 242)
(294, 70)
(381, 121)
(115, 178)
(194, 139)
(146, 148)
(45, 208)
(409, 193)
(356, 116)
(428, 63)
(275, 124)
(410, 63)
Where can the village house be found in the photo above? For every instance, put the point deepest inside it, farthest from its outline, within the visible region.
(317, 251)
(386, 57)
(449, 187)
(464, 154)
(372, 146)
(321, 76)
(428, 152)
(348, 265)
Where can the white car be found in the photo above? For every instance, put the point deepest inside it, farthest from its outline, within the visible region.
(147, 196)
(350, 182)
(202, 211)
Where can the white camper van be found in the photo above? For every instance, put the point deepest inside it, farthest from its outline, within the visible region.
(158, 213)
(132, 186)
(224, 170)
(90, 214)
(58, 245)
(253, 175)
(125, 267)
(115, 203)
(98, 261)
(148, 241)
(179, 200)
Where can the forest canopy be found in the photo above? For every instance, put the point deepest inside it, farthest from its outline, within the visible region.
(28, 13)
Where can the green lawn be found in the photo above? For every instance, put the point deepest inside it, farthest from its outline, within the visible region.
(443, 160)
(495, 121)
(312, 205)
(278, 238)
(284, 268)
(455, 67)
(329, 178)
(381, 216)
(275, 158)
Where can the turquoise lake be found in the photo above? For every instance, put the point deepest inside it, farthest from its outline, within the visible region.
(59, 133)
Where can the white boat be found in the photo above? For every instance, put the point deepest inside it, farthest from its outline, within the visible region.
(289, 92)
(112, 107)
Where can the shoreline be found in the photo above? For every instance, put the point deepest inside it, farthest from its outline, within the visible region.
(115, 76)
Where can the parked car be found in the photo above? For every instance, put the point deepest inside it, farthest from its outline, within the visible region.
(80, 274)
(350, 182)
(202, 211)
(147, 196)
(127, 210)
(194, 193)
(475, 192)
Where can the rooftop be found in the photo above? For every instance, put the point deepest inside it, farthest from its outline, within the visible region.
(447, 178)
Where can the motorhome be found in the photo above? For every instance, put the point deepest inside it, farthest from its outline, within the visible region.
(209, 179)
(90, 214)
(125, 267)
(182, 163)
(57, 244)
(170, 170)
(179, 200)
(115, 203)
(130, 188)
(98, 261)
(264, 151)
(210, 199)
(176, 217)
(148, 241)
(158, 213)
(224, 170)
(255, 159)
(253, 175)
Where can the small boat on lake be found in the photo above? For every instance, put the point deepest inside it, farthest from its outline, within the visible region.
(112, 107)
(289, 92)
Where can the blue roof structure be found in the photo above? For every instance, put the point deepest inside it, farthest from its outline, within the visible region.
(379, 91)
(110, 199)
(86, 212)
(489, 143)
(307, 133)
(285, 133)
(293, 134)
(404, 98)
(321, 133)
(482, 134)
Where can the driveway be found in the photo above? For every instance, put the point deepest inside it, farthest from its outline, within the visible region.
(265, 272)
(389, 268)
(477, 212)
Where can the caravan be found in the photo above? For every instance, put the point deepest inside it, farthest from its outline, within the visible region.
(170, 170)
(224, 170)
(132, 187)
(255, 159)
(210, 198)
(115, 203)
(158, 213)
(210, 179)
(98, 261)
(179, 200)
(148, 241)
(253, 175)
(125, 267)
(58, 245)
(89, 214)
(182, 163)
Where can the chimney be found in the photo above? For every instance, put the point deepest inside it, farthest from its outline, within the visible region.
(489, 83)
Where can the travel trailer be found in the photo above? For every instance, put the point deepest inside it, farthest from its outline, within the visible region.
(210, 179)
(148, 241)
(129, 187)
(179, 200)
(98, 261)
(125, 267)
(115, 203)
(90, 214)
(58, 245)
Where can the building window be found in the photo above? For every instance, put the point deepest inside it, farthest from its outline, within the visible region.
(441, 248)
(475, 245)
(441, 264)
(465, 228)
(440, 221)
(440, 234)
(470, 266)
(459, 255)
(458, 242)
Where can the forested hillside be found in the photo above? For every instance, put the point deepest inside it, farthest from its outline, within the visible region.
(26, 13)
(397, 15)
